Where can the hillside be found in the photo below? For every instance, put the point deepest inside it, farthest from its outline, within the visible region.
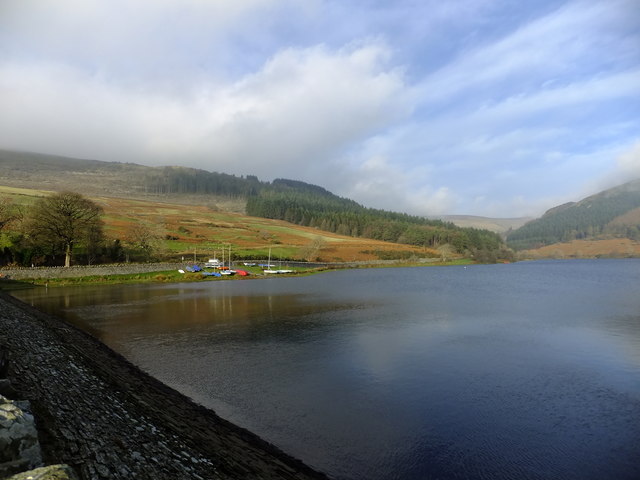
(613, 213)
(596, 248)
(124, 180)
(177, 231)
(296, 202)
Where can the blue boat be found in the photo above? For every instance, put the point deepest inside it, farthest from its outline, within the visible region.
(211, 274)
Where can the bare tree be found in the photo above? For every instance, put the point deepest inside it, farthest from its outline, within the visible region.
(446, 252)
(142, 238)
(65, 219)
(311, 251)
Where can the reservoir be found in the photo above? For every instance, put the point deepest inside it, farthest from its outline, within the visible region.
(522, 371)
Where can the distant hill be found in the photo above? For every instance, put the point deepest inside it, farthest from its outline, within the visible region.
(613, 213)
(294, 201)
(126, 180)
(498, 225)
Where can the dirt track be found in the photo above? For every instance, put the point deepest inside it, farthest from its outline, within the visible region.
(107, 419)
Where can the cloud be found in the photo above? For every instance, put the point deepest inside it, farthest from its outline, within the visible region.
(622, 162)
(304, 105)
(297, 109)
(629, 163)
(625, 168)
(162, 45)
(528, 118)
(379, 183)
(561, 46)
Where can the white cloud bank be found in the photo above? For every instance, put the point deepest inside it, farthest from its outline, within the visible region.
(302, 106)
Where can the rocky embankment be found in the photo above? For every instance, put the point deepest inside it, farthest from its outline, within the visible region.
(106, 419)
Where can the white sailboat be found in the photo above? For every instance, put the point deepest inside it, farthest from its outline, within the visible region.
(228, 270)
(274, 271)
(268, 269)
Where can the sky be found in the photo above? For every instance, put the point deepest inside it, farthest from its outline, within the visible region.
(499, 108)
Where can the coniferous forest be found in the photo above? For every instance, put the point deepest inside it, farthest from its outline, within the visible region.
(588, 218)
(309, 205)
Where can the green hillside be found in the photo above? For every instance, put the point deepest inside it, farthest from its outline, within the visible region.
(346, 217)
(294, 201)
(598, 215)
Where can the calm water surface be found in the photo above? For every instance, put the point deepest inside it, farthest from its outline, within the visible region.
(522, 371)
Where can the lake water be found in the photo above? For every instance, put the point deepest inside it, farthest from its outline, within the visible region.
(521, 371)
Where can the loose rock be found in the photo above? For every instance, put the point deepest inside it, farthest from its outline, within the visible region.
(52, 472)
(19, 447)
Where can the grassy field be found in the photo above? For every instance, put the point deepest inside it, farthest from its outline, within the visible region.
(201, 231)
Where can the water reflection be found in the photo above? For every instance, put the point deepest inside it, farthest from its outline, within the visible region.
(520, 371)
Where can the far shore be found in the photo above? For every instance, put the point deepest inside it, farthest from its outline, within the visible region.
(134, 273)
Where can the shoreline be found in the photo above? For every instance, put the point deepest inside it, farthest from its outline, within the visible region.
(168, 273)
(106, 418)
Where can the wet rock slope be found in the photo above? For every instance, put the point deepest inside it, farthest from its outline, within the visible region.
(106, 419)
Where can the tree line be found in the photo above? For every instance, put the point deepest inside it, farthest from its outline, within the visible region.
(343, 216)
(181, 180)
